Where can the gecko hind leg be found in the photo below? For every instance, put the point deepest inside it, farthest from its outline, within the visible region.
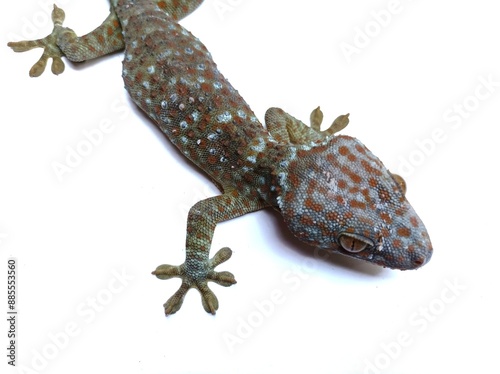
(49, 45)
(63, 41)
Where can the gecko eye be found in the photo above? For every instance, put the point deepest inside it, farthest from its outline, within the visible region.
(354, 243)
(399, 180)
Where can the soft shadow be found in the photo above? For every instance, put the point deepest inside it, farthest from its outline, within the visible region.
(335, 260)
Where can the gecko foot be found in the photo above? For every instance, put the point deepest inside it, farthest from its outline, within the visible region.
(49, 45)
(194, 277)
(339, 124)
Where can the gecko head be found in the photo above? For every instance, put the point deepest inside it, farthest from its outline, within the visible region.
(338, 196)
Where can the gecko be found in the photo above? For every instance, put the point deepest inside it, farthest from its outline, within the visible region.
(332, 192)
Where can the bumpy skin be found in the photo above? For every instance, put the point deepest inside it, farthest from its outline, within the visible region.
(333, 193)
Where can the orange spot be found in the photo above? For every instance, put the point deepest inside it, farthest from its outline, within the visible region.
(414, 221)
(357, 204)
(397, 243)
(386, 218)
(344, 151)
(205, 87)
(355, 177)
(384, 195)
(313, 185)
(162, 5)
(294, 180)
(306, 220)
(360, 149)
(348, 215)
(340, 200)
(310, 204)
(404, 232)
(332, 216)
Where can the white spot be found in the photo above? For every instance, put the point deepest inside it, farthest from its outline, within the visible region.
(151, 69)
(225, 117)
(195, 115)
(259, 147)
(164, 54)
(252, 159)
(284, 164)
(164, 104)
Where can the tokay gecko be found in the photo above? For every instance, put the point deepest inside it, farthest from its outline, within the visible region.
(332, 192)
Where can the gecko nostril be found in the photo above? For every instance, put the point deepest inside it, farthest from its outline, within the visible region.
(419, 261)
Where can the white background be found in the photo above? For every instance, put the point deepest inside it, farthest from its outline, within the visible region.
(122, 210)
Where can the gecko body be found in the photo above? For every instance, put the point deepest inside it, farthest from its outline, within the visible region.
(333, 193)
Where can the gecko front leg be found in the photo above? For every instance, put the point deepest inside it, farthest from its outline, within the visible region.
(287, 129)
(198, 269)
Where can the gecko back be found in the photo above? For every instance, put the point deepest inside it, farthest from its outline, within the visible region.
(171, 76)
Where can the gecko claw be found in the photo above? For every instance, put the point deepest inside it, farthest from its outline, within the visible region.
(339, 124)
